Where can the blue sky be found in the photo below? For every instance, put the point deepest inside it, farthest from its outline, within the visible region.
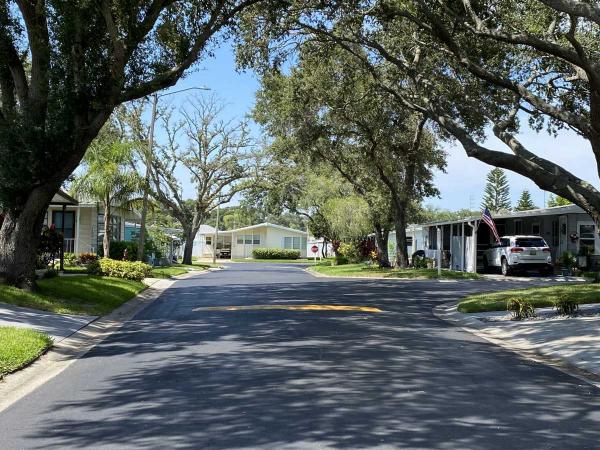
(462, 184)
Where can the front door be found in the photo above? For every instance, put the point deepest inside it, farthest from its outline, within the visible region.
(562, 235)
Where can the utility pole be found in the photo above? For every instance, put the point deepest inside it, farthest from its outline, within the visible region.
(216, 238)
(439, 251)
(142, 236)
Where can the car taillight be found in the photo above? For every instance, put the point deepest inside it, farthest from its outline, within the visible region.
(516, 250)
(547, 250)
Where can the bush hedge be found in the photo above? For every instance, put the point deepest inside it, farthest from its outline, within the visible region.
(129, 270)
(117, 250)
(275, 253)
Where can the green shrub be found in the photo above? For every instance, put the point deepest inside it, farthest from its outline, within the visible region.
(567, 259)
(93, 267)
(117, 250)
(566, 306)
(349, 251)
(339, 260)
(593, 276)
(50, 273)
(71, 259)
(275, 253)
(521, 308)
(130, 270)
(85, 258)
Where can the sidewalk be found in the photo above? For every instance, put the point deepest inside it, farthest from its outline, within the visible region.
(572, 342)
(57, 326)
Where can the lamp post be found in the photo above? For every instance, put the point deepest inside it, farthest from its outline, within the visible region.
(142, 235)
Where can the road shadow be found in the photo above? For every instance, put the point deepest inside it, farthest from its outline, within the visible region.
(289, 379)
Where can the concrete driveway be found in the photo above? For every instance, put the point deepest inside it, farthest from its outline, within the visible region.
(181, 376)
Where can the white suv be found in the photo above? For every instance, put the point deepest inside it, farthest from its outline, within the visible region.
(518, 253)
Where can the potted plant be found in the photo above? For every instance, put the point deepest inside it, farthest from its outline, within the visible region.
(583, 258)
(567, 261)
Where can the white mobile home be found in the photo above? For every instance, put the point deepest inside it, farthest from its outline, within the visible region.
(463, 241)
(242, 241)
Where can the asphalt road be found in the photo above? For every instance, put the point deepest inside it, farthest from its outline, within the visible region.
(178, 376)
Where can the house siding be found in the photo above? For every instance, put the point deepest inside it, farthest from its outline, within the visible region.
(270, 237)
(86, 224)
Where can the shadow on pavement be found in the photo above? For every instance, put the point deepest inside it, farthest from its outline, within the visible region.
(281, 379)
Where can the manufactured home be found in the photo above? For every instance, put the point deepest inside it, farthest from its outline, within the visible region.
(242, 241)
(82, 222)
(463, 241)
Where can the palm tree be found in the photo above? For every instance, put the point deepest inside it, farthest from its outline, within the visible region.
(108, 177)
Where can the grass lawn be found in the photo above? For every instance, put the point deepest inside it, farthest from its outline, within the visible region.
(74, 295)
(20, 346)
(198, 266)
(168, 272)
(538, 297)
(362, 270)
(179, 269)
(75, 269)
(280, 261)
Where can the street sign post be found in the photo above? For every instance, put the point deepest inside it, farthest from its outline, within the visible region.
(315, 249)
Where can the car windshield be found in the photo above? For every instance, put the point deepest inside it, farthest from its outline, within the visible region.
(530, 242)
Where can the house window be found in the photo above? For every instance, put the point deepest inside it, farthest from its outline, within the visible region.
(518, 227)
(57, 221)
(535, 229)
(248, 239)
(208, 240)
(409, 241)
(294, 243)
(115, 228)
(587, 237)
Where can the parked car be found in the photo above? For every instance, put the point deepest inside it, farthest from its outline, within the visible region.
(519, 253)
(224, 253)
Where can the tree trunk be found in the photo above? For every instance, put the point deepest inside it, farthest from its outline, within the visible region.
(400, 227)
(189, 246)
(20, 237)
(324, 248)
(381, 243)
(106, 238)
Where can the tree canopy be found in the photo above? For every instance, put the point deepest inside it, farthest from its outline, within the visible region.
(64, 67)
(470, 67)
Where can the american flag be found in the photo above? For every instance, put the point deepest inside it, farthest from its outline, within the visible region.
(487, 218)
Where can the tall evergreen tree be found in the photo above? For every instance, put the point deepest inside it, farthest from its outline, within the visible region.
(525, 202)
(496, 195)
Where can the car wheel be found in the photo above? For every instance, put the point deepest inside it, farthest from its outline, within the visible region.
(505, 267)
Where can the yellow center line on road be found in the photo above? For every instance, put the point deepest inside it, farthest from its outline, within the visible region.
(369, 309)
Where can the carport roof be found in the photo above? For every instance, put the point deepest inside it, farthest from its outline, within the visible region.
(551, 211)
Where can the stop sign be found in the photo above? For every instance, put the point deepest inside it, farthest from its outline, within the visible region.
(314, 249)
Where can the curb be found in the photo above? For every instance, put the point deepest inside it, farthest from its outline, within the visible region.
(398, 279)
(60, 356)
(448, 312)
